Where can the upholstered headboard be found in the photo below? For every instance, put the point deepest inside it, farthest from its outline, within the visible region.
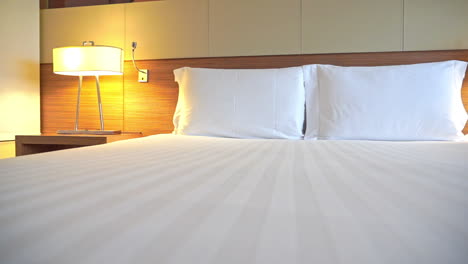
(148, 107)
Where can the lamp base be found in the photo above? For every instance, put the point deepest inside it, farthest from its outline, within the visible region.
(90, 132)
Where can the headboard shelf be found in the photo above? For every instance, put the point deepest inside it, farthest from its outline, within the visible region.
(148, 107)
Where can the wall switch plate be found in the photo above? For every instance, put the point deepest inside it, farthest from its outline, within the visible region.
(143, 77)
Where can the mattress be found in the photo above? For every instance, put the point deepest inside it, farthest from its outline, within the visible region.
(185, 199)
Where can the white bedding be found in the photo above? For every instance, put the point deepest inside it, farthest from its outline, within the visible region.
(185, 200)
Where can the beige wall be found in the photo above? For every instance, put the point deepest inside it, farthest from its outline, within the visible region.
(19, 69)
(334, 26)
(436, 24)
(204, 28)
(105, 24)
(254, 27)
(7, 149)
(167, 29)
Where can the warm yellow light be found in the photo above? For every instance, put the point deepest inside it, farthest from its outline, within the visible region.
(88, 60)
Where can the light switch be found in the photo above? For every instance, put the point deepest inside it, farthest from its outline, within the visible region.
(143, 77)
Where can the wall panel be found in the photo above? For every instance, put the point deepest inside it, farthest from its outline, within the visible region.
(202, 28)
(167, 29)
(436, 24)
(333, 26)
(255, 27)
(19, 69)
(71, 26)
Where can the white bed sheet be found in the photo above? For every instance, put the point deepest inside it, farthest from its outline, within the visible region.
(185, 200)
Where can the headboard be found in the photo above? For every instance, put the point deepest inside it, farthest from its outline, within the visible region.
(148, 107)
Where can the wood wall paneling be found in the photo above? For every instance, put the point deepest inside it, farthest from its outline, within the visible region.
(331, 26)
(148, 107)
(72, 26)
(436, 24)
(255, 27)
(58, 102)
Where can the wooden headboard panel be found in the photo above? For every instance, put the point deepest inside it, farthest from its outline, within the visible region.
(148, 107)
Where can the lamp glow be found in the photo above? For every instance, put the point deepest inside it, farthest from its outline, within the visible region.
(88, 60)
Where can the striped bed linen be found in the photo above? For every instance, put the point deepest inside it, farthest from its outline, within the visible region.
(185, 200)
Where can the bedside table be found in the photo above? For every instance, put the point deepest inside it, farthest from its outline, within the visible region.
(32, 144)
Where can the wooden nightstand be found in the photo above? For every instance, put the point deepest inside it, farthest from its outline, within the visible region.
(32, 144)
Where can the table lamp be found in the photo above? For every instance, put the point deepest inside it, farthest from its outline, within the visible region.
(88, 60)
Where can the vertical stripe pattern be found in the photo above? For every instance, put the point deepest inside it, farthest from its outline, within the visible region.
(201, 200)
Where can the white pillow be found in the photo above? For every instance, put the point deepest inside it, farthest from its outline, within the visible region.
(253, 103)
(405, 102)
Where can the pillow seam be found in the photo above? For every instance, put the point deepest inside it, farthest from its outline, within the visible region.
(276, 102)
(319, 105)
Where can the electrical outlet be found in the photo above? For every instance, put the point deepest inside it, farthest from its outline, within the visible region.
(143, 77)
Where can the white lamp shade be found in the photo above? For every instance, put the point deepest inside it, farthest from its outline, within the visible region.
(88, 60)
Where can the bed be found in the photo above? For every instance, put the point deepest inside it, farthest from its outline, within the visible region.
(248, 185)
(189, 199)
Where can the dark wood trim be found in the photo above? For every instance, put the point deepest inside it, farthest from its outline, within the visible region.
(32, 144)
(45, 4)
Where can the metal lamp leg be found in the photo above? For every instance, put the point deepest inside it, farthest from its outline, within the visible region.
(90, 132)
(77, 117)
(98, 88)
